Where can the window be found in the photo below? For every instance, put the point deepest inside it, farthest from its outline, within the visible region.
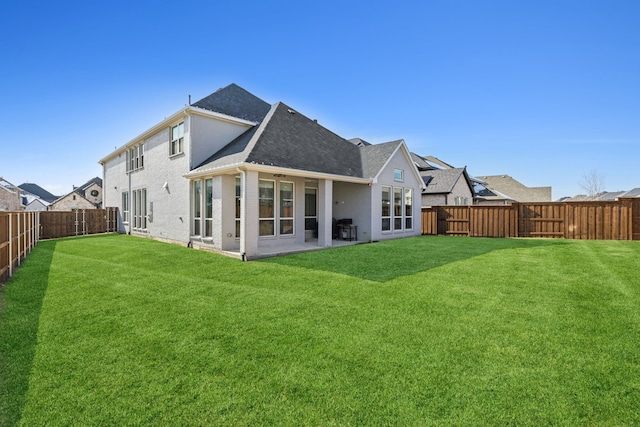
(398, 175)
(140, 209)
(408, 208)
(386, 208)
(177, 139)
(402, 213)
(397, 208)
(135, 158)
(459, 200)
(266, 195)
(310, 209)
(125, 206)
(208, 203)
(197, 207)
(238, 205)
(286, 207)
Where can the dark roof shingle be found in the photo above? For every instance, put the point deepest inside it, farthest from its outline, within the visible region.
(234, 101)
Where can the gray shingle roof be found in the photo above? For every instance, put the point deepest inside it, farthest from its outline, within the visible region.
(441, 181)
(375, 156)
(632, 193)
(290, 140)
(233, 100)
(36, 190)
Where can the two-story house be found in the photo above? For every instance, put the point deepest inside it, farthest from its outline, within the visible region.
(234, 174)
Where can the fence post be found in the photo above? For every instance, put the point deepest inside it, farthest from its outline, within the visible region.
(10, 245)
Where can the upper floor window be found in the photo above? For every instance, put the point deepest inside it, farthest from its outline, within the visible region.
(176, 146)
(135, 158)
(398, 175)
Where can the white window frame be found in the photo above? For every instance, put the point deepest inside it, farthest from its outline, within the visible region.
(386, 206)
(263, 219)
(135, 158)
(398, 175)
(196, 224)
(283, 205)
(207, 204)
(398, 208)
(139, 209)
(408, 209)
(125, 207)
(176, 136)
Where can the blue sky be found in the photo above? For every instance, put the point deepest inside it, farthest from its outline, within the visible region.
(544, 91)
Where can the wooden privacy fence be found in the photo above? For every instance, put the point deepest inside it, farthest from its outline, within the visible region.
(78, 222)
(611, 220)
(20, 231)
(18, 235)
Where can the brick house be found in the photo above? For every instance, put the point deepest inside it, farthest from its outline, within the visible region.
(234, 174)
(10, 198)
(86, 196)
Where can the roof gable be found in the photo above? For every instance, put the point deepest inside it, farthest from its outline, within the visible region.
(234, 101)
(288, 139)
(375, 156)
(441, 181)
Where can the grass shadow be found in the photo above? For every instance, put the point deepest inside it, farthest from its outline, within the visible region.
(389, 260)
(20, 306)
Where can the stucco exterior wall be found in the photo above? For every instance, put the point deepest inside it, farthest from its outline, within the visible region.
(386, 178)
(210, 135)
(167, 190)
(352, 201)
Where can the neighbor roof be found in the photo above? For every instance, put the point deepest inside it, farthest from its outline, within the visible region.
(632, 193)
(440, 181)
(36, 190)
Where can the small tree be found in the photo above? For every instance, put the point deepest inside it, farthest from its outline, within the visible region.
(592, 183)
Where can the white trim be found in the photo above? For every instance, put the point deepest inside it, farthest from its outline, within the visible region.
(407, 155)
(275, 170)
(180, 115)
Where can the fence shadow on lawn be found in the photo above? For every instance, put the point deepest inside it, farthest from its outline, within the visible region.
(20, 306)
(389, 260)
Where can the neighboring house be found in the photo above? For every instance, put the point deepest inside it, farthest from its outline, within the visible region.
(33, 203)
(444, 184)
(233, 174)
(504, 185)
(489, 196)
(35, 197)
(603, 196)
(10, 198)
(631, 193)
(87, 196)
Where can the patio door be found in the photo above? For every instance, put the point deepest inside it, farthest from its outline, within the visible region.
(310, 213)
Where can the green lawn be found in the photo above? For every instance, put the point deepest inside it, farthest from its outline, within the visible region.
(118, 330)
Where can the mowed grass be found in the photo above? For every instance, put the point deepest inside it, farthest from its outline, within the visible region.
(118, 330)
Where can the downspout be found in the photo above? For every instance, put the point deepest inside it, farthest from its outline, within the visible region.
(129, 197)
(243, 213)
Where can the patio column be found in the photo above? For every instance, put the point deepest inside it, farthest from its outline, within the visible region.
(325, 213)
(249, 214)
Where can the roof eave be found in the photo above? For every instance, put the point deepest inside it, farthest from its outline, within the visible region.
(276, 170)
